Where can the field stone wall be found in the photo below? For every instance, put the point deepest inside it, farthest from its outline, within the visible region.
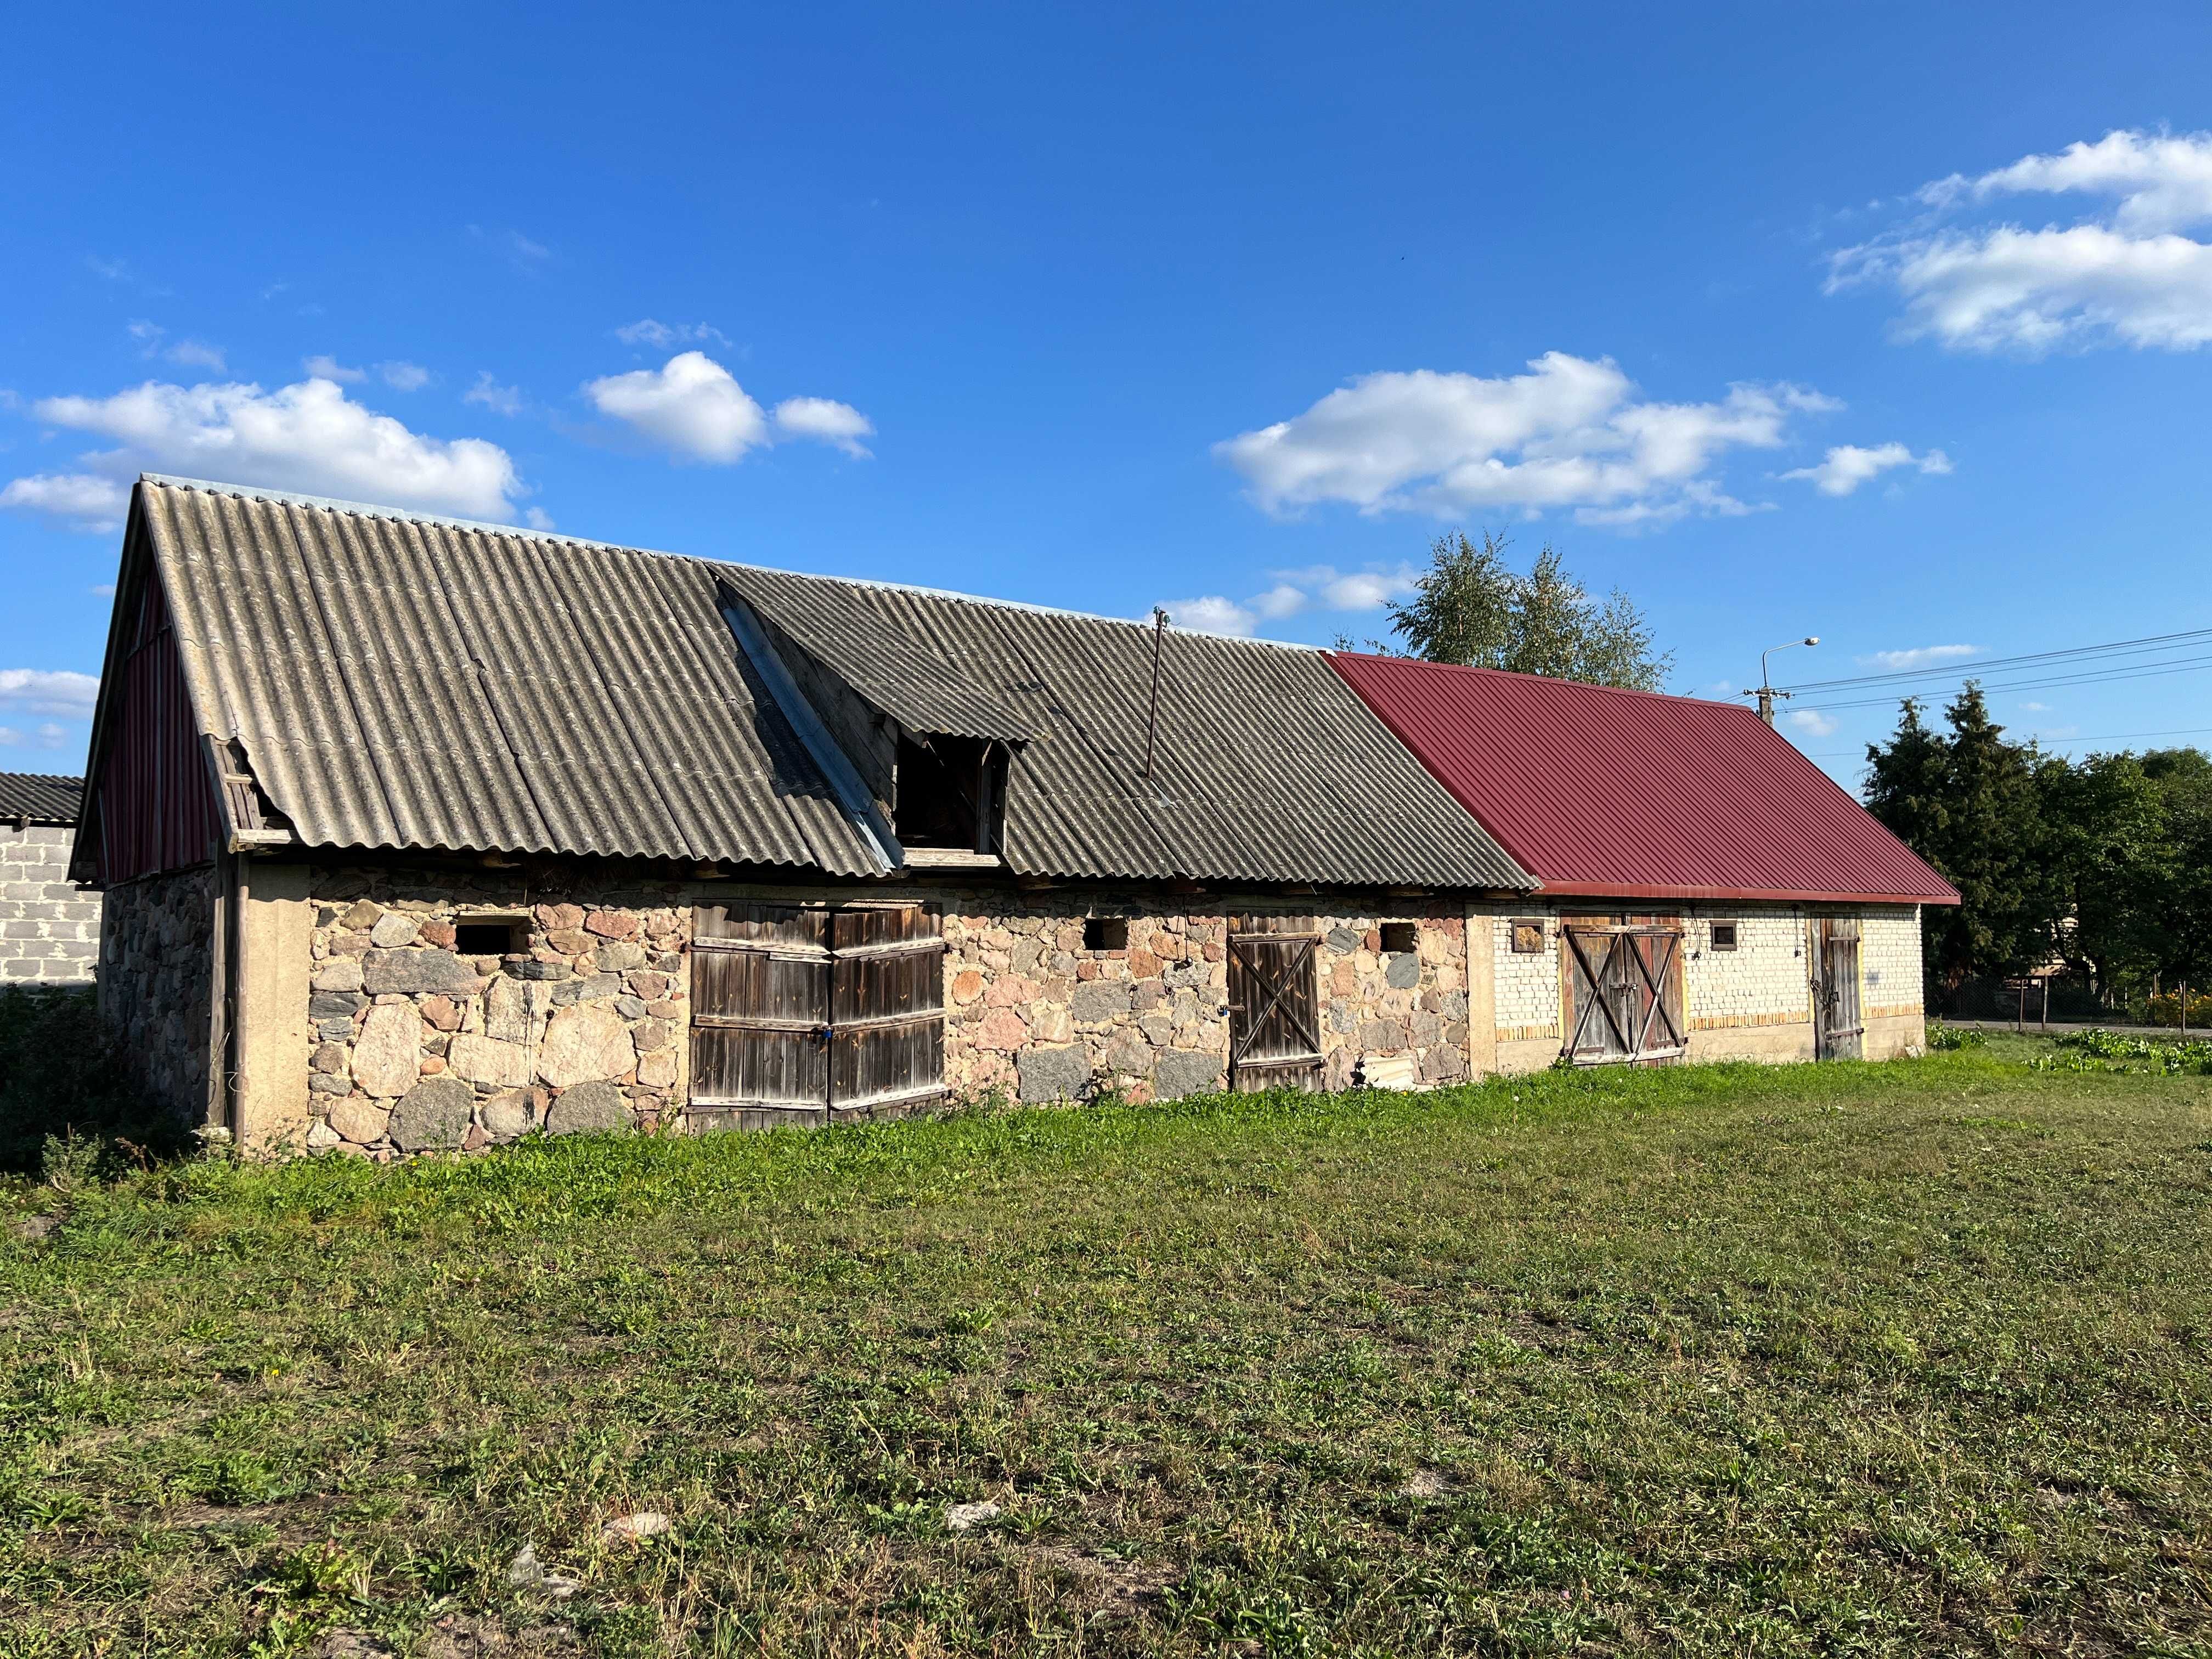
(157, 983)
(1032, 1013)
(415, 1048)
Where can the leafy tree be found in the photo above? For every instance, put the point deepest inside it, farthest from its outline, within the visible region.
(1472, 608)
(2109, 837)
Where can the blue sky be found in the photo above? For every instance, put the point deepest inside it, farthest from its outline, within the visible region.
(1785, 321)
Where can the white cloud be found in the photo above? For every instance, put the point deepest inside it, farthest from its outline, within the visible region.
(51, 736)
(537, 518)
(1212, 614)
(398, 375)
(2035, 708)
(9, 737)
(1280, 601)
(102, 590)
(1850, 466)
(197, 354)
(695, 408)
(187, 354)
(2124, 272)
(2162, 183)
(488, 393)
(49, 691)
(1572, 433)
(827, 420)
(85, 499)
(661, 336)
(691, 406)
(1918, 656)
(1369, 590)
(309, 437)
(1811, 722)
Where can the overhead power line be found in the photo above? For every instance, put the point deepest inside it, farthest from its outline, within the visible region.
(1962, 670)
(2137, 672)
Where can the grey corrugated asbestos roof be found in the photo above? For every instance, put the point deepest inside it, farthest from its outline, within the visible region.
(398, 680)
(40, 797)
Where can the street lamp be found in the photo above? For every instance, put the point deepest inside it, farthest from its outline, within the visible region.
(1765, 692)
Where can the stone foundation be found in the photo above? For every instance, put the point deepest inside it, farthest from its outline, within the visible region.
(157, 984)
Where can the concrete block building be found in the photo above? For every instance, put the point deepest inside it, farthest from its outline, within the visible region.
(49, 925)
(420, 834)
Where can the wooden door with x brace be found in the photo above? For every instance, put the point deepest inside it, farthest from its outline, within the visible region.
(1275, 1011)
(1621, 984)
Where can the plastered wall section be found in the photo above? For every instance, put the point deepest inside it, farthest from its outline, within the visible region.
(49, 926)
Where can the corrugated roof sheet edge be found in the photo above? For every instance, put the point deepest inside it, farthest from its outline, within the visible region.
(410, 515)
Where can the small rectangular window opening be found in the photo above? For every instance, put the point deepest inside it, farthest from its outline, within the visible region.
(1397, 938)
(487, 939)
(1528, 937)
(1106, 933)
(1724, 936)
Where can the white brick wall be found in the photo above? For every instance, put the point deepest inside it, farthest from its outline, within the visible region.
(1525, 986)
(1889, 960)
(49, 929)
(1763, 982)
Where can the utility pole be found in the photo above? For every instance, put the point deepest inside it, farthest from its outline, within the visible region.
(1764, 690)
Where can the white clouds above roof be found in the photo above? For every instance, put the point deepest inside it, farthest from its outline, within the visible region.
(309, 437)
(2124, 272)
(1571, 434)
(49, 691)
(695, 409)
(84, 500)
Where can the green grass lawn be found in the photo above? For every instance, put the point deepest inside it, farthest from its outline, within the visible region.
(1903, 1358)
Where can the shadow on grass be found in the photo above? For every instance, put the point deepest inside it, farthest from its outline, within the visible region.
(63, 1092)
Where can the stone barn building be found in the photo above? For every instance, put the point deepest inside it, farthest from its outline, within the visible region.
(417, 835)
(49, 925)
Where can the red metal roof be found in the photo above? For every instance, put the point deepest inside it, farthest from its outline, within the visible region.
(1628, 794)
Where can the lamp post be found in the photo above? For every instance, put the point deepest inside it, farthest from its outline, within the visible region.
(1764, 690)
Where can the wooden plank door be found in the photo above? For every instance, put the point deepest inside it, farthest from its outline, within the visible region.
(1274, 1003)
(760, 1006)
(1839, 1026)
(1623, 986)
(886, 1011)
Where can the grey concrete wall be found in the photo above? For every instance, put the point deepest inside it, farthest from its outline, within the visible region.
(49, 928)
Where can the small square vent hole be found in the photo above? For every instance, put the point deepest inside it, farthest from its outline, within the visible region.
(487, 939)
(1397, 936)
(1106, 933)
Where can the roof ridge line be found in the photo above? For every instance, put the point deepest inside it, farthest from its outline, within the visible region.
(1546, 679)
(410, 515)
